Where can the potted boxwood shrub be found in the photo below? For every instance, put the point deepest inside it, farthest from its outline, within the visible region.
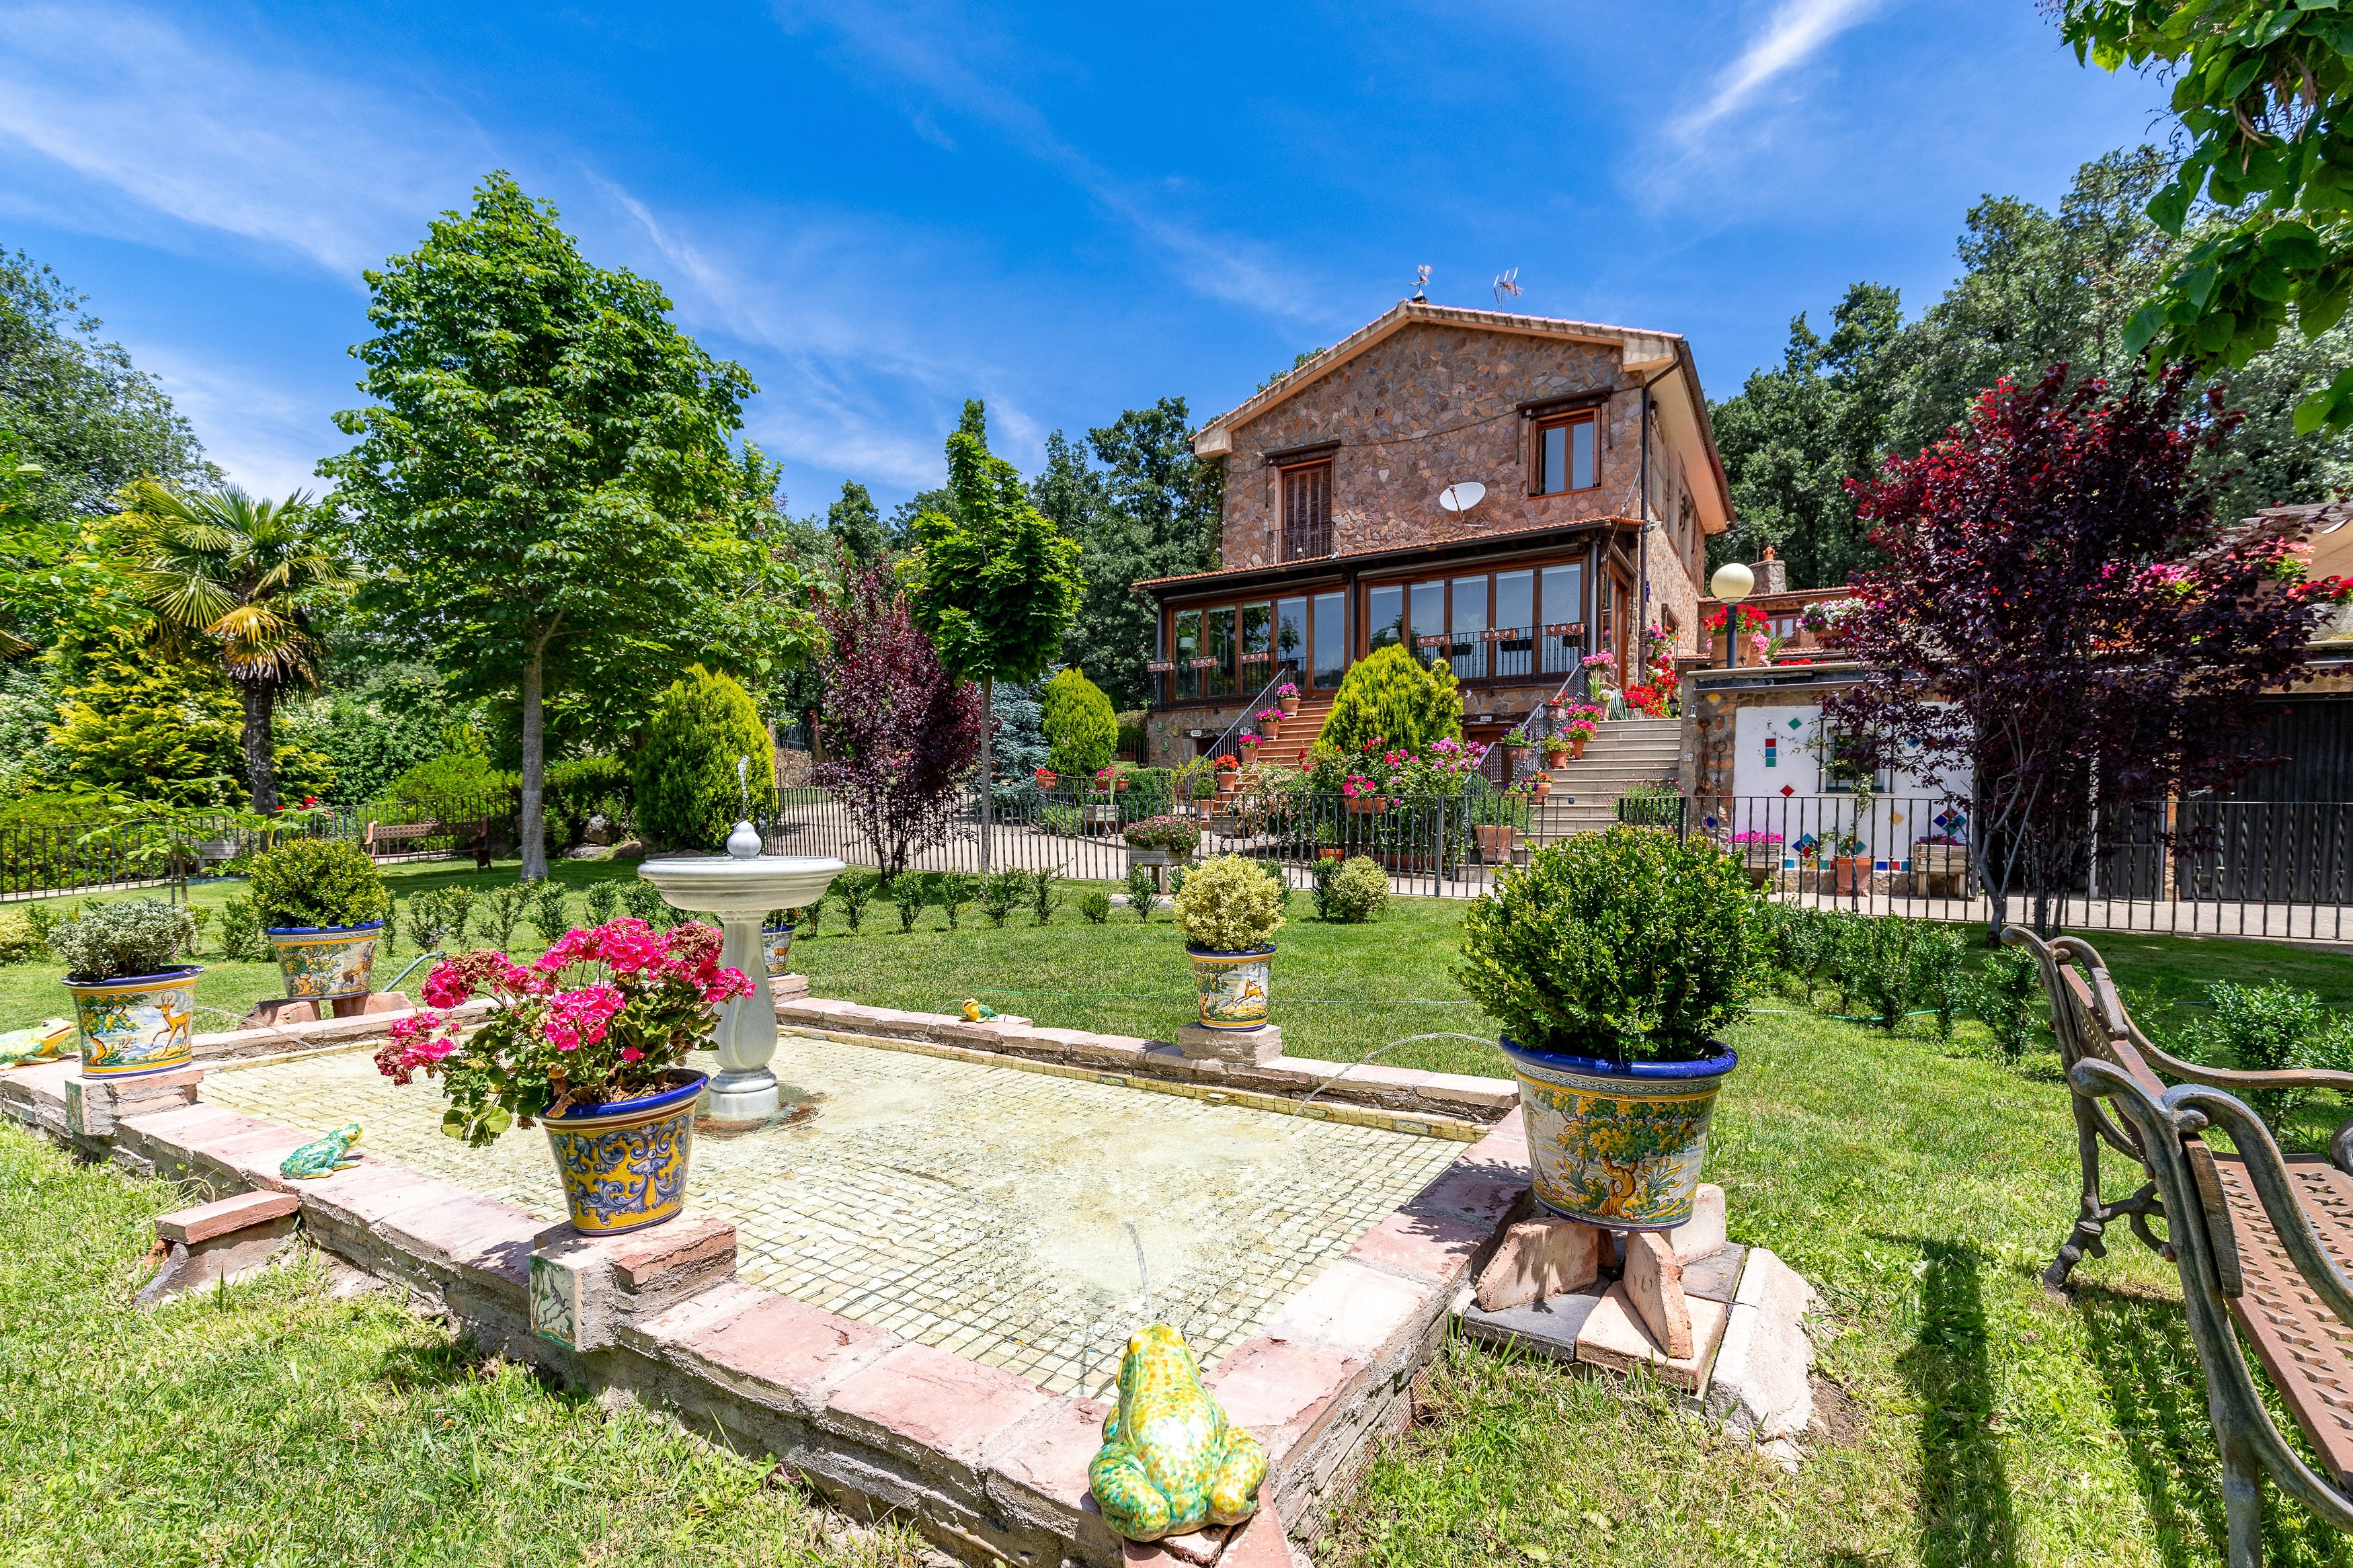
(323, 905)
(1227, 910)
(1613, 959)
(132, 996)
(603, 1068)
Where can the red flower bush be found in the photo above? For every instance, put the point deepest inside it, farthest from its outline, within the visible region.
(643, 1001)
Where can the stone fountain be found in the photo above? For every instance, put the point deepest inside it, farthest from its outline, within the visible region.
(740, 887)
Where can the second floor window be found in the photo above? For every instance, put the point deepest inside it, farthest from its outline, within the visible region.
(1564, 455)
(1307, 511)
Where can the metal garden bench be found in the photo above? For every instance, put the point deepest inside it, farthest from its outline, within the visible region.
(2263, 1241)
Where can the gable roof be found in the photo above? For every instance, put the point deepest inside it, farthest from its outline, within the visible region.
(1643, 354)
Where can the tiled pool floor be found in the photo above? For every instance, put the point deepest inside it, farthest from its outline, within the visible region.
(979, 1209)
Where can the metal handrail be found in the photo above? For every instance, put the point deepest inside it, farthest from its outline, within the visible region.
(1248, 715)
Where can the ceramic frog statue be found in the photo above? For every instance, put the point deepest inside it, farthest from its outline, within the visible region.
(322, 1156)
(38, 1044)
(1169, 1462)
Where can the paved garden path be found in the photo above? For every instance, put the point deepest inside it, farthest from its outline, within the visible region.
(981, 1209)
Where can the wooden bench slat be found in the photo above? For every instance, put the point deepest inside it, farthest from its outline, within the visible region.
(2308, 1351)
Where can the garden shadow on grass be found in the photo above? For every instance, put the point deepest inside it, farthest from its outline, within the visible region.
(2156, 1388)
(1967, 1517)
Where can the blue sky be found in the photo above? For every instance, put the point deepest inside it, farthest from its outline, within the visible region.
(1067, 209)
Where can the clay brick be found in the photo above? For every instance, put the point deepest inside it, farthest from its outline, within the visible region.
(1654, 1283)
(208, 1220)
(1702, 1236)
(1364, 1314)
(470, 1233)
(367, 1197)
(643, 1256)
(1039, 1470)
(1285, 1391)
(1541, 1258)
(1614, 1337)
(1438, 1243)
(932, 1407)
(182, 1130)
(788, 1349)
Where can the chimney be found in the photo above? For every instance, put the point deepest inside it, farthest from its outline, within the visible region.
(1772, 576)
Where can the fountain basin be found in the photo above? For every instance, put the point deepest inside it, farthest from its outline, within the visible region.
(739, 889)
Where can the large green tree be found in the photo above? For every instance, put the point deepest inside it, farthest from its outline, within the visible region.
(544, 485)
(993, 584)
(2265, 92)
(1150, 510)
(2037, 287)
(856, 524)
(250, 577)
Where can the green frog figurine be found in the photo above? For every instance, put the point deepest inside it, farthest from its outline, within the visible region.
(322, 1156)
(1170, 1463)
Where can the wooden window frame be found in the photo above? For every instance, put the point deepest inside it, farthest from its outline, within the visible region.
(1543, 422)
(1360, 606)
(1310, 543)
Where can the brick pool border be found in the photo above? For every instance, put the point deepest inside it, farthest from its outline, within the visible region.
(989, 1465)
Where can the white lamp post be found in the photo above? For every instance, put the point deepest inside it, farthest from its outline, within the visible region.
(1732, 583)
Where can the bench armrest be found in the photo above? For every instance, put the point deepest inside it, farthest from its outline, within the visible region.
(2241, 1078)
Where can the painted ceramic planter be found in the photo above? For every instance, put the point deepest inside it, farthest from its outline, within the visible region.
(136, 1024)
(322, 962)
(624, 1166)
(1232, 986)
(776, 948)
(1616, 1145)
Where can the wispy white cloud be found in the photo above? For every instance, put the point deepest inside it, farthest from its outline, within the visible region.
(1793, 34)
(899, 41)
(156, 118)
(265, 435)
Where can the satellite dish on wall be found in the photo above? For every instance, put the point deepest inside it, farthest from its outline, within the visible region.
(1462, 495)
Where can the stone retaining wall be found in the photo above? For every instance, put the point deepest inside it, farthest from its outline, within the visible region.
(990, 1465)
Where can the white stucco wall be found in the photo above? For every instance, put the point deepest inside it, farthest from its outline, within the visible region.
(1777, 789)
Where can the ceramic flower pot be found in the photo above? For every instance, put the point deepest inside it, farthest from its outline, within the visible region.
(624, 1166)
(1495, 842)
(1556, 756)
(776, 948)
(1577, 746)
(1852, 873)
(322, 962)
(1232, 986)
(1617, 1145)
(137, 1023)
(1542, 787)
(1290, 706)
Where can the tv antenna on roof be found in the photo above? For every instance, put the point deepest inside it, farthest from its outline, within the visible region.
(1421, 281)
(1507, 284)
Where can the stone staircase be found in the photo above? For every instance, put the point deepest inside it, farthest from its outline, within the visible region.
(1299, 731)
(1627, 751)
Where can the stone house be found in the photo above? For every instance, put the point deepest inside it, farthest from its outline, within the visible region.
(1493, 490)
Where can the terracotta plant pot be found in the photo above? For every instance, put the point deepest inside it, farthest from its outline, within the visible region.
(1227, 778)
(624, 1166)
(1852, 873)
(1556, 756)
(319, 963)
(1495, 842)
(1119, 784)
(1290, 705)
(1232, 986)
(1541, 788)
(135, 1023)
(1577, 746)
(1618, 1144)
(1363, 804)
(1046, 778)
(1331, 854)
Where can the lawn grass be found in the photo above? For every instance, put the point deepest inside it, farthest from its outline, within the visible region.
(271, 1424)
(1921, 1185)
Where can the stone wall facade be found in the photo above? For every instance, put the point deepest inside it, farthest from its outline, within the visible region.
(1435, 404)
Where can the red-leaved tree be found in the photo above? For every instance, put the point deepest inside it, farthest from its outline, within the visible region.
(2064, 620)
(902, 732)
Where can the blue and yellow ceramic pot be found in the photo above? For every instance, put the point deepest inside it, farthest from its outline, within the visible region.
(1617, 1144)
(776, 948)
(624, 1165)
(1233, 986)
(136, 1024)
(324, 962)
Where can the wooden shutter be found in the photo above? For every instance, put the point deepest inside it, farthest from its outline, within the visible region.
(1307, 511)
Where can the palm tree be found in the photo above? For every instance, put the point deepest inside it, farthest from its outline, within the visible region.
(246, 573)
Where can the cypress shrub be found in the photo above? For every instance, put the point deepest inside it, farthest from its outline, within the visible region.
(1394, 697)
(1080, 729)
(685, 786)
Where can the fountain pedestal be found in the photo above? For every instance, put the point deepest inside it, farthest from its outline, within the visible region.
(738, 888)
